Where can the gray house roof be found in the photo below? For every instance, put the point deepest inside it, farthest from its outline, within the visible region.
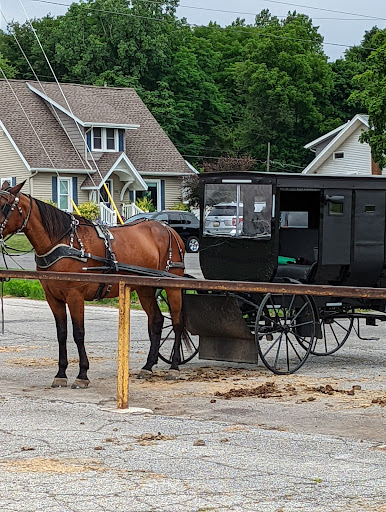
(147, 145)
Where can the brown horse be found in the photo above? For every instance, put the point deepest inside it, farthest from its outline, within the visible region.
(148, 244)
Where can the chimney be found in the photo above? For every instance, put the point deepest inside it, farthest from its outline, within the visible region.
(375, 170)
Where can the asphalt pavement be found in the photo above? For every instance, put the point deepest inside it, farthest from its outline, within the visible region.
(65, 450)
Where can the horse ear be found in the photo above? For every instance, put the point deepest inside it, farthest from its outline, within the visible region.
(16, 189)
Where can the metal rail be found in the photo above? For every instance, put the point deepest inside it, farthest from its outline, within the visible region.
(205, 285)
(128, 282)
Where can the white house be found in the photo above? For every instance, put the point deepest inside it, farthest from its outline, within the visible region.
(340, 152)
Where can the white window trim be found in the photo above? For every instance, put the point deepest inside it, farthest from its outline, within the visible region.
(159, 201)
(104, 140)
(69, 180)
(6, 179)
(340, 153)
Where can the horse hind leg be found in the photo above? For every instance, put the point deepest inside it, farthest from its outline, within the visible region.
(155, 323)
(58, 309)
(75, 301)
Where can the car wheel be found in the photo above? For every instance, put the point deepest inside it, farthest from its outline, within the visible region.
(192, 244)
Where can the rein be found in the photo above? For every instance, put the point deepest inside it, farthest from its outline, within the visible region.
(7, 210)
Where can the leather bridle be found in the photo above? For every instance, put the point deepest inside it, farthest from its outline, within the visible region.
(8, 208)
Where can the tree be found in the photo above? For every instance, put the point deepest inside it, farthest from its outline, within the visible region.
(285, 82)
(372, 95)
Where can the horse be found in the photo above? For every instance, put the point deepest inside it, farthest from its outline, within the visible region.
(149, 244)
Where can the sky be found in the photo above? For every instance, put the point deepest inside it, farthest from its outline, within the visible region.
(341, 29)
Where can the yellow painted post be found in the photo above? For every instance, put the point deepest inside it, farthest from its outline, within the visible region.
(123, 346)
(113, 203)
(75, 207)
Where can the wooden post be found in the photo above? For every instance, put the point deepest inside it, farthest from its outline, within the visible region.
(123, 346)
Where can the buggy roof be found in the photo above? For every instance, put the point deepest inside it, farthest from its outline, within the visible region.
(297, 181)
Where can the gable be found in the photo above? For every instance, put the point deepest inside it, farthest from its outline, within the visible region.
(324, 162)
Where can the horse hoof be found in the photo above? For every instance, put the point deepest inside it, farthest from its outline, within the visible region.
(173, 375)
(80, 384)
(144, 374)
(59, 382)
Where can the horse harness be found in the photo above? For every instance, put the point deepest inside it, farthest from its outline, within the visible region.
(109, 262)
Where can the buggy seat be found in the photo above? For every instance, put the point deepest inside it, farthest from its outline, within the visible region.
(297, 271)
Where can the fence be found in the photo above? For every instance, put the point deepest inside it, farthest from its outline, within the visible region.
(126, 282)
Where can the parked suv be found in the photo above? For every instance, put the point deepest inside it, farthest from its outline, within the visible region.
(222, 219)
(185, 223)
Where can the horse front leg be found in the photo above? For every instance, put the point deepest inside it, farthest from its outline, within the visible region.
(75, 301)
(155, 323)
(58, 309)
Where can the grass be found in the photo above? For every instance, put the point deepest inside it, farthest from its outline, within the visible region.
(19, 242)
(32, 289)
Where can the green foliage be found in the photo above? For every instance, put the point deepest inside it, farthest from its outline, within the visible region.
(145, 204)
(24, 288)
(372, 95)
(89, 210)
(180, 206)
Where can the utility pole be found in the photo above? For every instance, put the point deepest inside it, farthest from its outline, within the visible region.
(268, 155)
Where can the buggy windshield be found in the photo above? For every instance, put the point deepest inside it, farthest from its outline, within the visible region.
(238, 210)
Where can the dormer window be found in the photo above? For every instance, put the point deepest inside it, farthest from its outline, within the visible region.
(104, 139)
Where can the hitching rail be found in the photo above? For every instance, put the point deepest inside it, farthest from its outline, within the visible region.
(126, 282)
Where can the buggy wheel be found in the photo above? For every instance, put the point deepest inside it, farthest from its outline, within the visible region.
(285, 332)
(189, 346)
(335, 332)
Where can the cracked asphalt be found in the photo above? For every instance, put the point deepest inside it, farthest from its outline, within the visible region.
(65, 450)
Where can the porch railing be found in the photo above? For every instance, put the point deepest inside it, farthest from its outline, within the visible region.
(129, 210)
(107, 215)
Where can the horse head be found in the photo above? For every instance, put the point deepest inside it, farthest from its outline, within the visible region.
(9, 201)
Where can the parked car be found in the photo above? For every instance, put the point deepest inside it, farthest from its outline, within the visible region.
(185, 223)
(222, 218)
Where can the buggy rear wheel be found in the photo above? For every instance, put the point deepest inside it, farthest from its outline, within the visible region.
(188, 347)
(335, 332)
(285, 332)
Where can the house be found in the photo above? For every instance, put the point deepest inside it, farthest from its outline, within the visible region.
(68, 141)
(340, 152)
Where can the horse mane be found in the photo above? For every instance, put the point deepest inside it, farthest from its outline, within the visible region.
(56, 222)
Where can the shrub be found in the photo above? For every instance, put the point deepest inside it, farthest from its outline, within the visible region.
(89, 210)
(145, 204)
(180, 206)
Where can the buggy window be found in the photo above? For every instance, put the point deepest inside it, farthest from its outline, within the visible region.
(238, 210)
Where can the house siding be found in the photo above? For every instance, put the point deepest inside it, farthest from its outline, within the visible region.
(11, 165)
(356, 161)
(173, 191)
(42, 186)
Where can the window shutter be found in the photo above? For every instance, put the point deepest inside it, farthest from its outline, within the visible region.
(75, 190)
(120, 140)
(131, 195)
(88, 140)
(13, 182)
(55, 189)
(162, 194)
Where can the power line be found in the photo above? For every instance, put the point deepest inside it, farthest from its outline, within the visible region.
(243, 13)
(218, 27)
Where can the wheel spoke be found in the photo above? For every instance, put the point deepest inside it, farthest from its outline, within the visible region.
(166, 338)
(293, 347)
(273, 344)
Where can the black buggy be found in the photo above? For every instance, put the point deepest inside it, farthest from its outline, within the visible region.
(292, 229)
